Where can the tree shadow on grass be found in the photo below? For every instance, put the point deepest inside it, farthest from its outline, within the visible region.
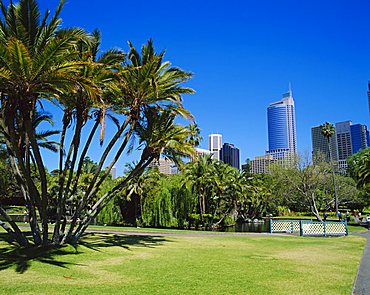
(12, 255)
(95, 241)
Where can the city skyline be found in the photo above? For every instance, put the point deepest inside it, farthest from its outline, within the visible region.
(243, 55)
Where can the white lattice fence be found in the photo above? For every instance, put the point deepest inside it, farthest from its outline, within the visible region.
(309, 227)
(312, 229)
(284, 226)
(336, 228)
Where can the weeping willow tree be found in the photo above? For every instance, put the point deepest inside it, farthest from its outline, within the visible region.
(168, 203)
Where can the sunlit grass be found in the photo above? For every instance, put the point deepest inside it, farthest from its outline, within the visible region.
(119, 264)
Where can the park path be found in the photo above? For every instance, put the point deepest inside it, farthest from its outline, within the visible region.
(179, 234)
(362, 282)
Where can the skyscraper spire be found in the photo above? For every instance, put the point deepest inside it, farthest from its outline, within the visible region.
(290, 89)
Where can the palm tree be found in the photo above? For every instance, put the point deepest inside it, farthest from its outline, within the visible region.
(149, 89)
(37, 60)
(199, 177)
(328, 130)
(79, 106)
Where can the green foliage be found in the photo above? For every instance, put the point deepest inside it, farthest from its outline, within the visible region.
(359, 168)
(110, 214)
(6, 179)
(168, 204)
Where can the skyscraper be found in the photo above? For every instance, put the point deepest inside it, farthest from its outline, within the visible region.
(229, 154)
(348, 140)
(165, 166)
(343, 134)
(215, 144)
(282, 139)
(359, 137)
(320, 144)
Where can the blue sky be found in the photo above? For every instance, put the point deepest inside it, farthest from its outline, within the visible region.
(244, 54)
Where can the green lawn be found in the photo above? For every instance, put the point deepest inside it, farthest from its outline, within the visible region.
(118, 264)
(351, 229)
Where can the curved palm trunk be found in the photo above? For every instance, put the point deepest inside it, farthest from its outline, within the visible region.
(23, 179)
(14, 230)
(82, 157)
(91, 191)
(104, 200)
(43, 180)
(68, 166)
(60, 207)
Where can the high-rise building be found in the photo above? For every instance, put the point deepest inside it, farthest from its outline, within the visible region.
(165, 166)
(282, 139)
(215, 145)
(320, 145)
(359, 137)
(229, 154)
(347, 140)
(261, 164)
(203, 152)
(344, 144)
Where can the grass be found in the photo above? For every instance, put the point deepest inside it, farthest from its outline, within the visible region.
(202, 264)
(352, 228)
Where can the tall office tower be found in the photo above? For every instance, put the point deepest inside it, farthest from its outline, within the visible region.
(320, 145)
(282, 127)
(229, 154)
(359, 137)
(344, 143)
(215, 145)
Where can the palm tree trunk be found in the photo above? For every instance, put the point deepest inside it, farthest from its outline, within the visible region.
(60, 206)
(41, 168)
(106, 153)
(115, 159)
(104, 200)
(68, 166)
(24, 180)
(76, 145)
(14, 231)
(333, 177)
(82, 157)
(91, 191)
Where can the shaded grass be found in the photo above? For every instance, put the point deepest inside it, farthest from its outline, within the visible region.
(119, 264)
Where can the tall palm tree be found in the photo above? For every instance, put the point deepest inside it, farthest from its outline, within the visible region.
(328, 130)
(146, 83)
(81, 105)
(37, 60)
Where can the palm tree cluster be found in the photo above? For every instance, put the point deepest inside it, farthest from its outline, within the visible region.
(139, 91)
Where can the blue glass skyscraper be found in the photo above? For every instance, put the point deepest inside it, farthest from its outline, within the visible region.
(360, 137)
(282, 136)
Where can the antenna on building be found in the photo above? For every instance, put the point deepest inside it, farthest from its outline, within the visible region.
(290, 88)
